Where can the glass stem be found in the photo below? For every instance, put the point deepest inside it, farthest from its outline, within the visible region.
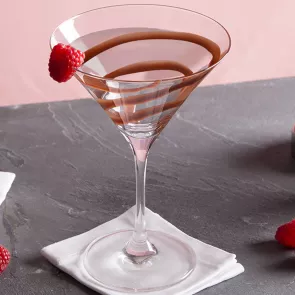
(139, 245)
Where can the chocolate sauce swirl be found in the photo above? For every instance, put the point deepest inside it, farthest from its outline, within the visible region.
(186, 86)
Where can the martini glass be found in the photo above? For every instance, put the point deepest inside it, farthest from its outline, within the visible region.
(142, 62)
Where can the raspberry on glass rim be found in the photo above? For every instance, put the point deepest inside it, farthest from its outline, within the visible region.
(63, 62)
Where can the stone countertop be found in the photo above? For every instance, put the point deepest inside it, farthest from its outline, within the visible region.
(221, 171)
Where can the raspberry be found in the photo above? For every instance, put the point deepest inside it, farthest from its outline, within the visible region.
(285, 234)
(63, 62)
(4, 258)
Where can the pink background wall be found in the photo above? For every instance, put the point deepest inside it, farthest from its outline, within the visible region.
(263, 34)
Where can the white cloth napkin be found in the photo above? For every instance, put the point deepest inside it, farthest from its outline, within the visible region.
(6, 180)
(213, 265)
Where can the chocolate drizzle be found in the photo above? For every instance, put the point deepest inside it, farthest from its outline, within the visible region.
(186, 84)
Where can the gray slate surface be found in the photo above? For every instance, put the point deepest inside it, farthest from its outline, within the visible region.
(221, 171)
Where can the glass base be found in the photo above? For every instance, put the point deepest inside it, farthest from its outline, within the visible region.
(106, 262)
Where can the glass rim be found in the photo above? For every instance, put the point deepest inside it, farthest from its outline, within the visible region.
(148, 81)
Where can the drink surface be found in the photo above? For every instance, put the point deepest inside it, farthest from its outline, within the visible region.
(190, 55)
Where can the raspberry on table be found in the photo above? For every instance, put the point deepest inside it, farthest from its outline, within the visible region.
(4, 258)
(285, 234)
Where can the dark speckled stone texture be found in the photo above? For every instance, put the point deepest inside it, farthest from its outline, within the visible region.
(221, 171)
